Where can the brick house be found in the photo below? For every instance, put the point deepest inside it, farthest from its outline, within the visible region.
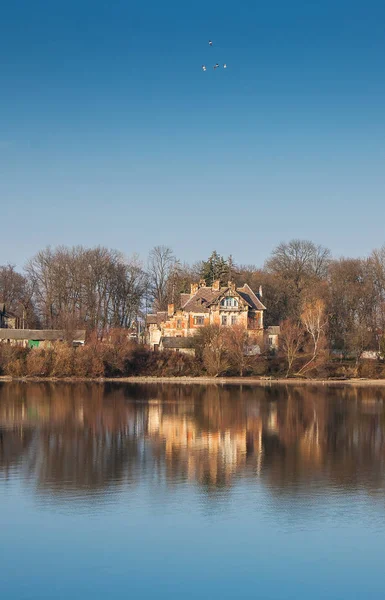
(215, 305)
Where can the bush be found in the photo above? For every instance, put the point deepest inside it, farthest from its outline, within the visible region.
(369, 369)
(88, 362)
(13, 360)
(62, 360)
(38, 363)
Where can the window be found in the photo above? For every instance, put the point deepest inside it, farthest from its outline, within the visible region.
(199, 320)
(179, 324)
(229, 302)
(224, 320)
(233, 320)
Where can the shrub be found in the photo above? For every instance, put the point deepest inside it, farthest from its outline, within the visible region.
(13, 360)
(62, 360)
(38, 363)
(369, 369)
(88, 362)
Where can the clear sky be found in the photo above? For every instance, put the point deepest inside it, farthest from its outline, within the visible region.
(110, 133)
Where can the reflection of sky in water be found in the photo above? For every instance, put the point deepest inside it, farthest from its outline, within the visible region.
(215, 494)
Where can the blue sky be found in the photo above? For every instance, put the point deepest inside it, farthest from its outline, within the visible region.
(111, 134)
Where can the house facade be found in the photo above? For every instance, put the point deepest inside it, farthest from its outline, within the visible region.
(225, 306)
(8, 320)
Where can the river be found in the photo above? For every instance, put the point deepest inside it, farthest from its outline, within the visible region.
(187, 491)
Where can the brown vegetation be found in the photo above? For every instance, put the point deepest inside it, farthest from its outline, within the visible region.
(326, 307)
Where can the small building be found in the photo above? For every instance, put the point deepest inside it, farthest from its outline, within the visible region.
(272, 337)
(154, 328)
(184, 345)
(8, 319)
(39, 338)
(370, 355)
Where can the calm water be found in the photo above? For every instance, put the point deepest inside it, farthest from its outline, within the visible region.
(189, 491)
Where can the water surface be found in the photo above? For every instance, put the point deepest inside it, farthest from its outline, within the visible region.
(123, 491)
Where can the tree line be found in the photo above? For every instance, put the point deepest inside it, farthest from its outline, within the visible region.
(338, 303)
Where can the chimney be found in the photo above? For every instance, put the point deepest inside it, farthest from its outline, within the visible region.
(202, 283)
(231, 285)
(216, 286)
(194, 289)
(260, 291)
(170, 310)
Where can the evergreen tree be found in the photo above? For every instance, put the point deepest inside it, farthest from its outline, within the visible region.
(216, 267)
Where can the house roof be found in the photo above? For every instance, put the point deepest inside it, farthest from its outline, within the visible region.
(205, 296)
(274, 329)
(176, 342)
(202, 299)
(252, 300)
(184, 298)
(156, 318)
(152, 319)
(41, 335)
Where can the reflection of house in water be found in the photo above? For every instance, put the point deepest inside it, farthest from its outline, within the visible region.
(83, 439)
(210, 456)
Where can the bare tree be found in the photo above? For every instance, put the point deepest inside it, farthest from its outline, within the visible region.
(95, 288)
(291, 341)
(354, 300)
(211, 347)
(16, 293)
(161, 265)
(299, 261)
(376, 265)
(314, 321)
(359, 339)
(238, 340)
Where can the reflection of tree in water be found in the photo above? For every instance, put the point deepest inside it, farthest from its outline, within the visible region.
(86, 437)
(337, 438)
(14, 443)
(80, 440)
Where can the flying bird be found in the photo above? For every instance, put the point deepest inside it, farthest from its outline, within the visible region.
(225, 66)
(210, 43)
(203, 67)
(215, 66)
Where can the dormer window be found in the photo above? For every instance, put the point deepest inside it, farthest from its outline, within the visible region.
(229, 302)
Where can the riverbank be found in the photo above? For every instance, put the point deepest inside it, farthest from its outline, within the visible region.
(253, 381)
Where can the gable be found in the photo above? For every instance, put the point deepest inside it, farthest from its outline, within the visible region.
(250, 297)
(205, 297)
(231, 294)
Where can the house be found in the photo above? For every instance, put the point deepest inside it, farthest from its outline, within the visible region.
(8, 320)
(225, 306)
(272, 337)
(38, 338)
(184, 345)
